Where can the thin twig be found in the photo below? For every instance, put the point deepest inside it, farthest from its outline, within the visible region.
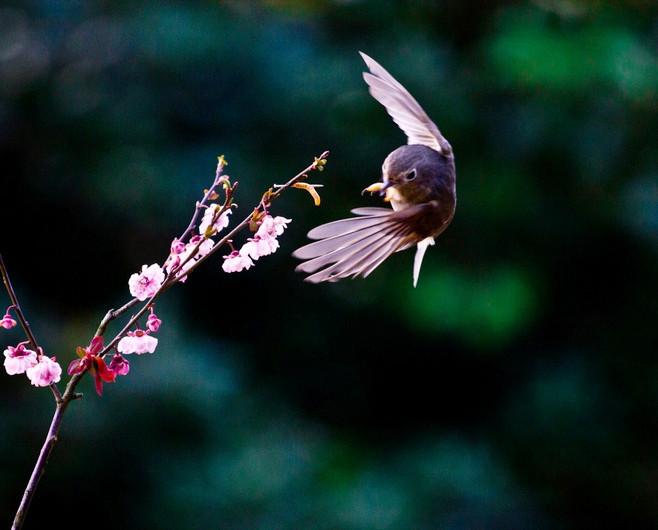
(24, 323)
(200, 205)
(112, 314)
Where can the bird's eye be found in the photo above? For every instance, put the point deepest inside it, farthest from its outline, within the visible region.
(411, 175)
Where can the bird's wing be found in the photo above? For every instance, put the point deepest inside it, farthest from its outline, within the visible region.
(403, 108)
(356, 246)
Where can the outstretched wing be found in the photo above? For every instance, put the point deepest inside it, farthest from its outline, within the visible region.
(356, 246)
(403, 108)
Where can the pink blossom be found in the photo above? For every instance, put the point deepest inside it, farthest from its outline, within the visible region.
(181, 255)
(259, 246)
(19, 359)
(119, 364)
(138, 342)
(145, 284)
(221, 222)
(264, 242)
(46, 372)
(177, 246)
(7, 322)
(236, 261)
(173, 261)
(272, 226)
(153, 323)
(204, 248)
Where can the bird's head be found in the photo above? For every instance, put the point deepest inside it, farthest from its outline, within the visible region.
(416, 172)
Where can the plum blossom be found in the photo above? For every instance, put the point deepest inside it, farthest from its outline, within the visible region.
(265, 241)
(236, 261)
(180, 253)
(177, 246)
(119, 364)
(7, 322)
(138, 342)
(145, 284)
(153, 323)
(259, 246)
(19, 359)
(272, 226)
(44, 373)
(221, 222)
(174, 260)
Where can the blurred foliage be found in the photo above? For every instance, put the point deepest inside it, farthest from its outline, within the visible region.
(516, 388)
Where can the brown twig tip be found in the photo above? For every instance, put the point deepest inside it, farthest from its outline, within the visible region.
(321, 161)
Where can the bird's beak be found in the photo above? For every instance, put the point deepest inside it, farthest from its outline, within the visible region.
(377, 187)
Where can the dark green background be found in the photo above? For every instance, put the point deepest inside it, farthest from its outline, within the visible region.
(515, 388)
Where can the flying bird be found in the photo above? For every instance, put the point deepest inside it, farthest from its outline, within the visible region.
(418, 181)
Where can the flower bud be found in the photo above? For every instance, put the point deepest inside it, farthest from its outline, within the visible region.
(153, 323)
(7, 322)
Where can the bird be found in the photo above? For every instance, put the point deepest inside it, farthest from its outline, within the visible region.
(418, 181)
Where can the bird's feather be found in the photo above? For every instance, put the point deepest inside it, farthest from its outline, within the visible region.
(355, 260)
(371, 210)
(403, 108)
(420, 253)
(356, 246)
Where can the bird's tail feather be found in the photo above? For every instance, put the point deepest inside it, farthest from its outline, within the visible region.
(352, 247)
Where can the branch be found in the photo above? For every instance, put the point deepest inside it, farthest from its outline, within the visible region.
(267, 198)
(221, 163)
(265, 201)
(24, 323)
(69, 395)
(40, 466)
(112, 314)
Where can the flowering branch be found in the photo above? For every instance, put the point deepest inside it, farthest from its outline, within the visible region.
(16, 306)
(265, 202)
(221, 163)
(187, 253)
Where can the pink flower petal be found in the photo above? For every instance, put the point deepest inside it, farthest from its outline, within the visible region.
(46, 372)
(119, 364)
(236, 262)
(145, 284)
(19, 359)
(7, 322)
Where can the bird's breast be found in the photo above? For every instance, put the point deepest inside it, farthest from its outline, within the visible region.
(396, 199)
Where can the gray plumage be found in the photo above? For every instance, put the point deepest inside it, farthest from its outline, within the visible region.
(419, 180)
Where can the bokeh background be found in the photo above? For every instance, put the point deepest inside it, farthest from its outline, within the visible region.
(515, 388)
